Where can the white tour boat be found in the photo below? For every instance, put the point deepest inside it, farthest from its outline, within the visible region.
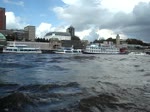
(20, 48)
(68, 50)
(102, 49)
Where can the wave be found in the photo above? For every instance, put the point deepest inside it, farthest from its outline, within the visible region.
(23, 98)
(14, 102)
(15, 65)
(108, 103)
(70, 97)
(45, 87)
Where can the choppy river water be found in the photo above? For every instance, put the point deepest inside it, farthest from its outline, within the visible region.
(74, 83)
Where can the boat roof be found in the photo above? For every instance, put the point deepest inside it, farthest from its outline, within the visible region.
(18, 45)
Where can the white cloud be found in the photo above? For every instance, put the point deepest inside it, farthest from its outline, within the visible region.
(121, 5)
(94, 33)
(83, 33)
(106, 33)
(44, 28)
(112, 16)
(14, 22)
(85, 16)
(111, 5)
(61, 13)
(19, 3)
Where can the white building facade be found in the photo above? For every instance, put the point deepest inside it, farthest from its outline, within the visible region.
(58, 35)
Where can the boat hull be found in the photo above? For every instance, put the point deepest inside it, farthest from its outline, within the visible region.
(84, 52)
(26, 52)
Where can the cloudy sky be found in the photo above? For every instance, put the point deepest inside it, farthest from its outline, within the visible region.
(92, 19)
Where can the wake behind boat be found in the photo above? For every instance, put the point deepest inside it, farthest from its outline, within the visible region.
(137, 53)
(20, 48)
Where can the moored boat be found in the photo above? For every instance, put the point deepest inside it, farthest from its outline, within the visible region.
(103, 49)
(68, 50)
(20, 48)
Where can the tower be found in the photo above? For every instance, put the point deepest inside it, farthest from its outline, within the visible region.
(71, 30)
(31, 32)
(117, 40)
(2, 19)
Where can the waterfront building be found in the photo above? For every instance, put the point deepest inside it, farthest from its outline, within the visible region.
(64, 39)
(3, 41)
(31, 32)
(13, 34)
(2, 19)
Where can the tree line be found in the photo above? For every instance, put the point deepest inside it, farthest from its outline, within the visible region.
(128, 41)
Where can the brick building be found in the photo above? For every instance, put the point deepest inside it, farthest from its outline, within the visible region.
(2, 19)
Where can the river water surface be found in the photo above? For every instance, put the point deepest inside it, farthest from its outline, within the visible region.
(74, 83)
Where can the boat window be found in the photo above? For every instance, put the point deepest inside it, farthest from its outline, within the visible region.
(68, 51)
(75, 51)
(9, 49)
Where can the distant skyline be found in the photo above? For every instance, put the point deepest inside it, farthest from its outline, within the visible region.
(92, 19)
